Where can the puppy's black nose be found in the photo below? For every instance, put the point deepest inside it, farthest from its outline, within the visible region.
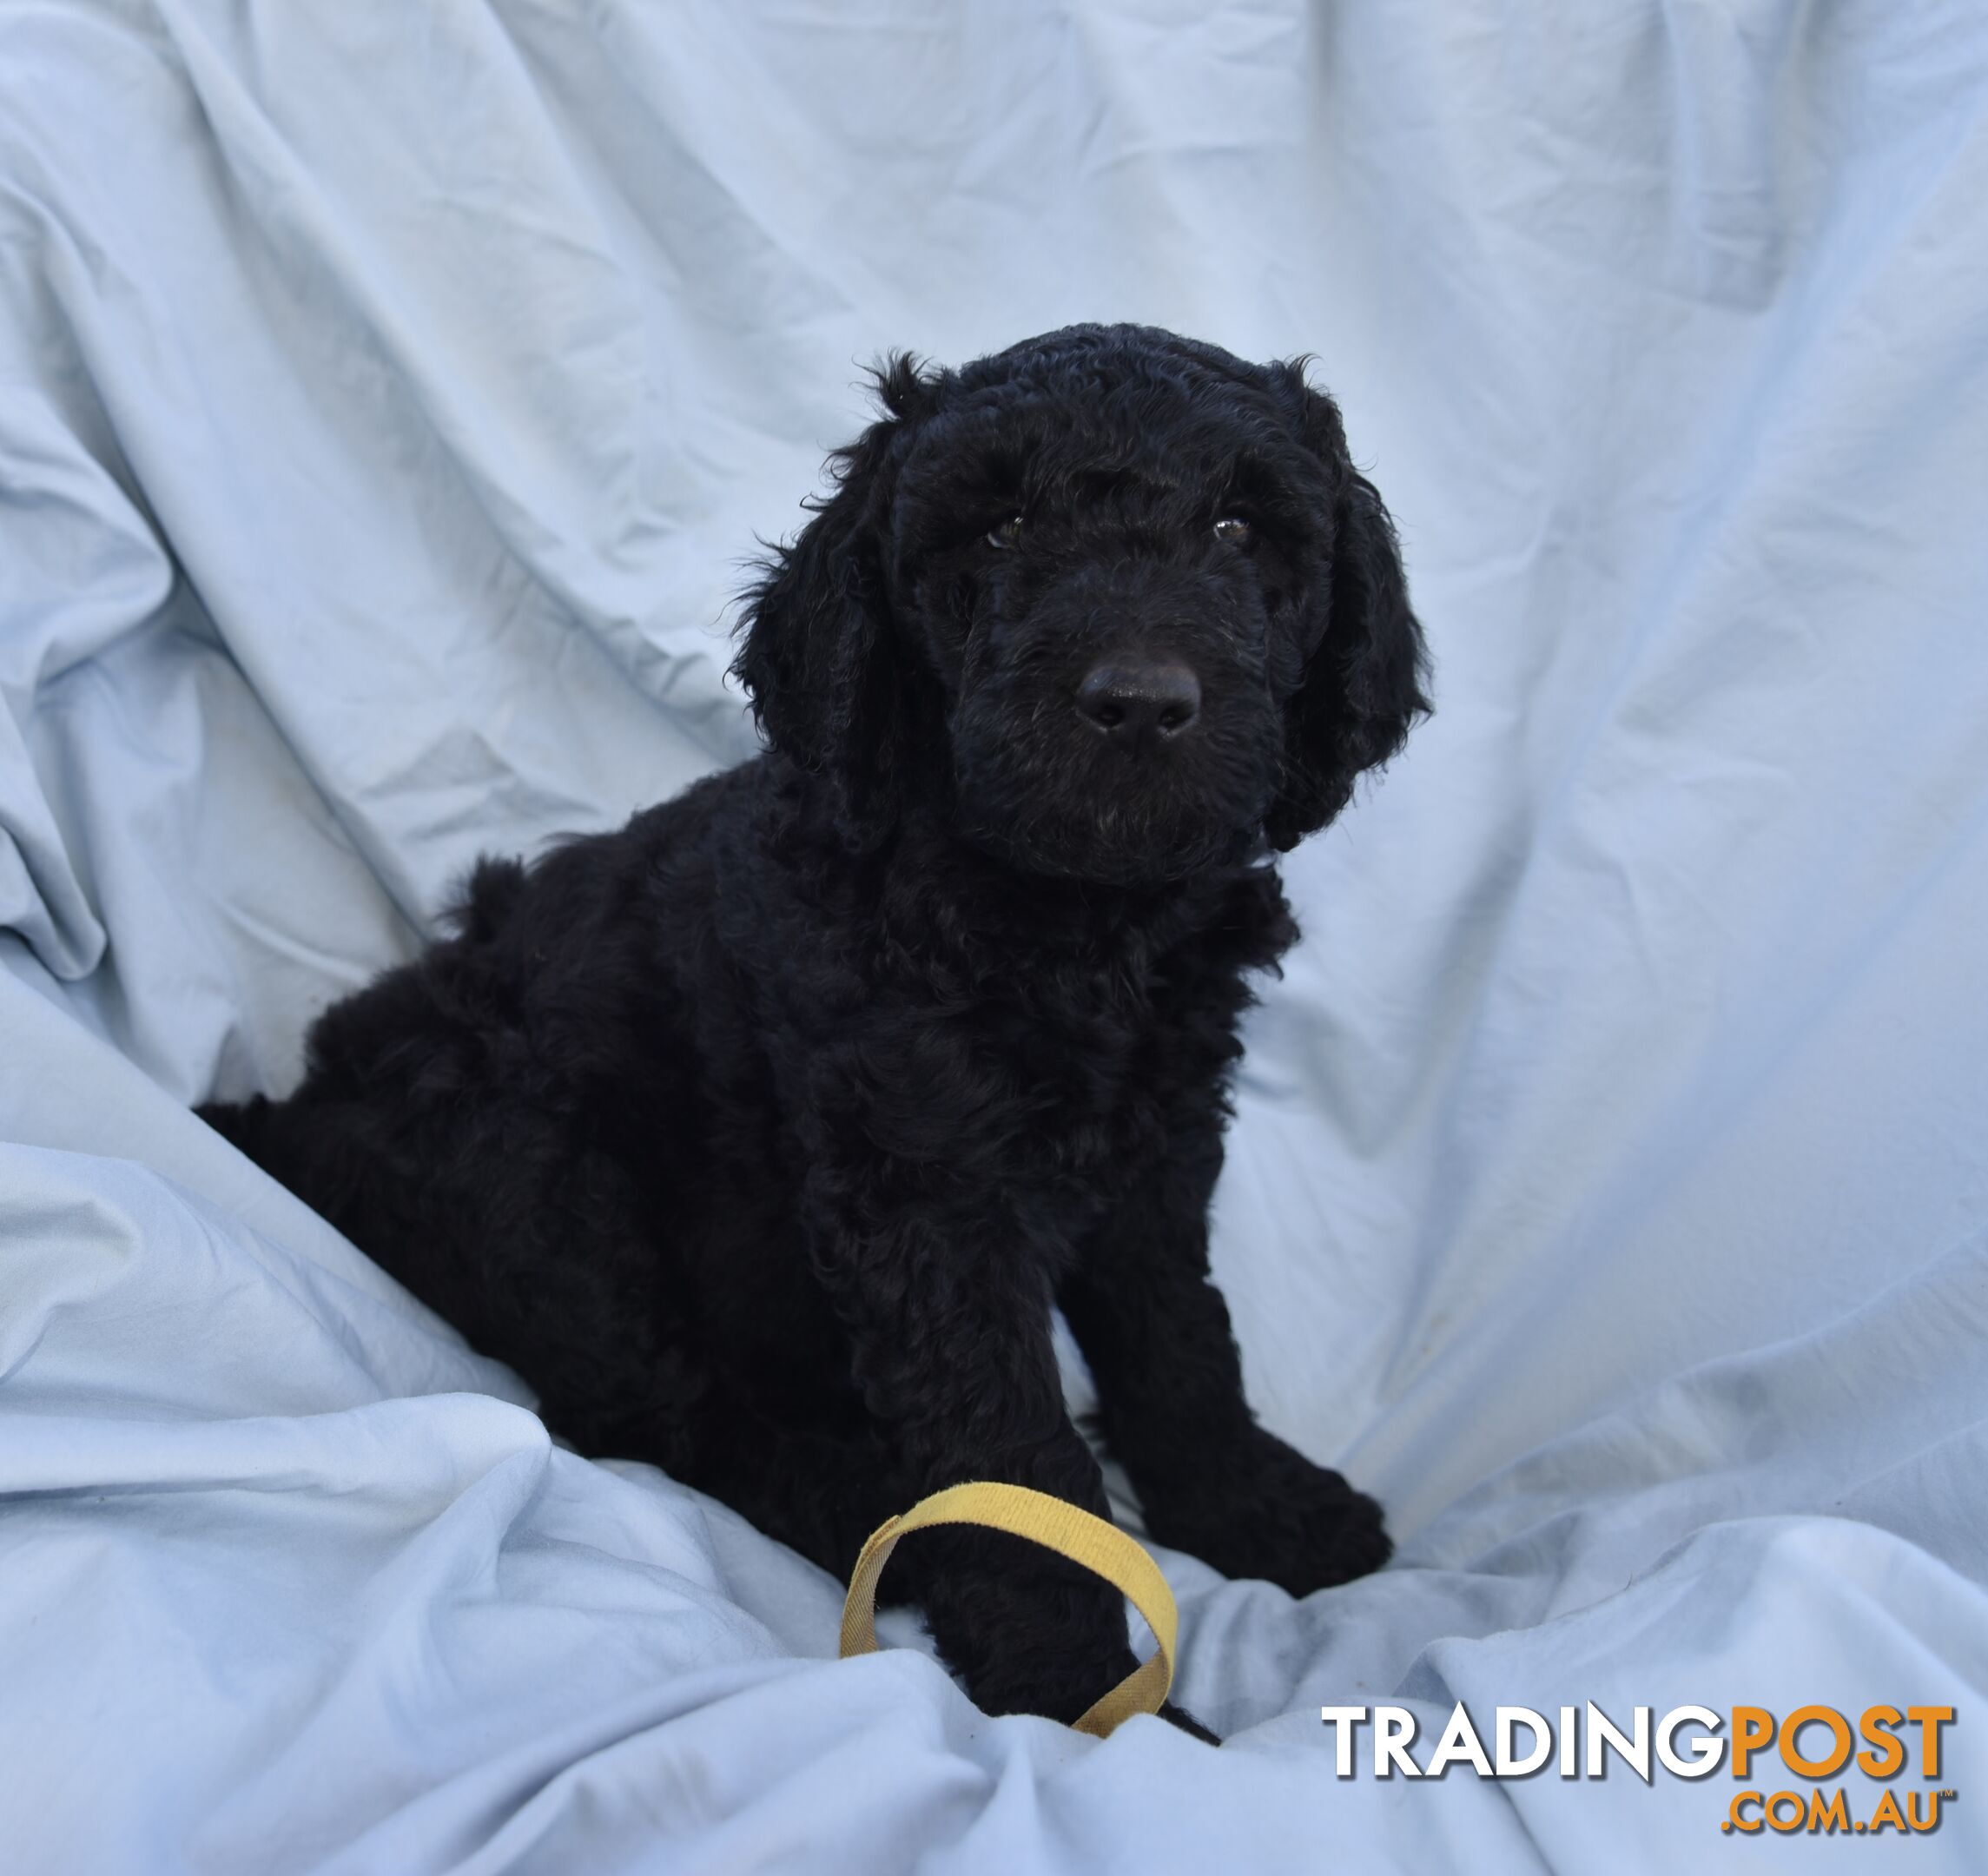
(1131, 699)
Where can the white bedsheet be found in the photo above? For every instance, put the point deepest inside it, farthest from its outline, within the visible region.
(388, 397)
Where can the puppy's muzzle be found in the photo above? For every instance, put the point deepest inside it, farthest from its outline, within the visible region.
(1139, 702)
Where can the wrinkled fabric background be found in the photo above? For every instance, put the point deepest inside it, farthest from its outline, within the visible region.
(389, 399)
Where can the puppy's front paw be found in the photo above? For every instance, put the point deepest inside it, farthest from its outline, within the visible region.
(1273, 1514)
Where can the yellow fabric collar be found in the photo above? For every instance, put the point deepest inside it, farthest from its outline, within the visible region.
(1062, 1528)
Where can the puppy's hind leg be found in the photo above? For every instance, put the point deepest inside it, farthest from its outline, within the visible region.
(296, 1143)
(566, 1286)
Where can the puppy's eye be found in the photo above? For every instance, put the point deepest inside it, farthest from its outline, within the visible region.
(1232, 530)
(1008, 534)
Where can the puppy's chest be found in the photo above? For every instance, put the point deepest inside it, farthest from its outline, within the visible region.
(1086, 1075)
(1028, 1090)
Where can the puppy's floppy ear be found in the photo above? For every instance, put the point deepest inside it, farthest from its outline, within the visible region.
(1361, 690)
(819, 659)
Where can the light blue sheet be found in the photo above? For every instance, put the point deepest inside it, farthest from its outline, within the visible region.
(388, 397)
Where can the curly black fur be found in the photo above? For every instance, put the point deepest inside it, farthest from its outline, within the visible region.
(762, 1136)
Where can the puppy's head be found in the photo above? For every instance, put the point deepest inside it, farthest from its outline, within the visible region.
(1114, 603)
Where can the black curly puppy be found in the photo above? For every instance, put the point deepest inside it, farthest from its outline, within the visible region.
(762, 1136)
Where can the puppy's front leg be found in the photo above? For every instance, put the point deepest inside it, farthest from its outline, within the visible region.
(949, 1323)
(1156, 1334)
